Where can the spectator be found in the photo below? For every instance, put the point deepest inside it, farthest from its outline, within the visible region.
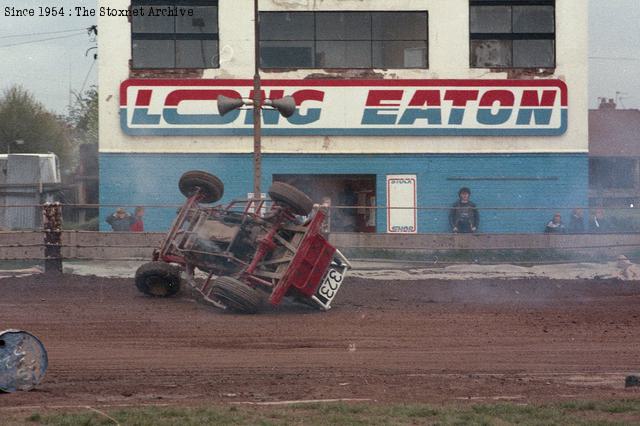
(120, 221)
(138, 225)
(555, 225)
(598, 223)
(463, 216)
(576, 222)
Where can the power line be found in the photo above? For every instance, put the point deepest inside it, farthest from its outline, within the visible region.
(39, 41)
(44, 33)
(87, 77)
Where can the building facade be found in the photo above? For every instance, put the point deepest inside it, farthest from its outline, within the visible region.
(399, 104)
(614, 156)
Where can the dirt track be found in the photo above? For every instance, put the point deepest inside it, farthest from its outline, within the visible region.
(431, 341)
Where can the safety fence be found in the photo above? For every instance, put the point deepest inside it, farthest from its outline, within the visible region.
(428, 219)
(52, 244)
(435, 248)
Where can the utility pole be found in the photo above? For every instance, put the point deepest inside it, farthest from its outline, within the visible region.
(257, 105)
(286, 106)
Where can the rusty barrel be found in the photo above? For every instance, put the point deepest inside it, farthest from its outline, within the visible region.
(23, 361)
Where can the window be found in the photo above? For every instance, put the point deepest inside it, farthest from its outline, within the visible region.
(175, 34)
(512, 33)
(343, 40)
(612, 173)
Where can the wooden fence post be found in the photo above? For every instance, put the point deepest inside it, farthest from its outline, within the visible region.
(52, 222)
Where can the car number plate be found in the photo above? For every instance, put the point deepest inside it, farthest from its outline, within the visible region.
(331, 284)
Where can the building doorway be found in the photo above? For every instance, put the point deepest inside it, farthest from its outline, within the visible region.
(350, 197)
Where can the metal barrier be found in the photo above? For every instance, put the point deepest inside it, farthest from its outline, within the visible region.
(53, 244)
(537, 248)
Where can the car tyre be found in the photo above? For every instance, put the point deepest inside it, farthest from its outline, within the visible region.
(236, 295)
(286, 194)
(210, 186)
(158, 279)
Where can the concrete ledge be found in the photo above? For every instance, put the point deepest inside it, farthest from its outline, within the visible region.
(484, 241)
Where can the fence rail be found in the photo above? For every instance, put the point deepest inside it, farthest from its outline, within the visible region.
(54, 244)
(631, 208)
(89, 245)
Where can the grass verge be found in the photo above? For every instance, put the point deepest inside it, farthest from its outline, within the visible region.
(616, 412)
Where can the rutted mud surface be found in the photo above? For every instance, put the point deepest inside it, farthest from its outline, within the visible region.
(390, 341)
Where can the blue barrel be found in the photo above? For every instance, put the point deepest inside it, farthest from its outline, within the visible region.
(23, 361)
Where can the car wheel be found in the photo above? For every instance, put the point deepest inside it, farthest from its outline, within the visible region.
(236, 295)
(158, 279)
(286, 194)
(210, 186)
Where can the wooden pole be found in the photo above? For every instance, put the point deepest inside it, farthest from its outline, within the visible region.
(257, 106)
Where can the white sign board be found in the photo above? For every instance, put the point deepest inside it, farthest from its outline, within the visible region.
(402, 217)
(427, 107)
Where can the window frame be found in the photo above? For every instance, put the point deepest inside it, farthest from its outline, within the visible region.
(175, 36)
(514, 36)
(371, 40)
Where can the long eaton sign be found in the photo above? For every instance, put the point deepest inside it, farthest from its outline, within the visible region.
(350, 107)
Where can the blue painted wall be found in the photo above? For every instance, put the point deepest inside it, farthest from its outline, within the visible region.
(532, 180)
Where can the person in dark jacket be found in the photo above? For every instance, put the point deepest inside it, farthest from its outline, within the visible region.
(576, 222)
(121, 221)
(598, 223)
(463, 216)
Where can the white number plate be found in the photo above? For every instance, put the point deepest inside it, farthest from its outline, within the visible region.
(331, 284)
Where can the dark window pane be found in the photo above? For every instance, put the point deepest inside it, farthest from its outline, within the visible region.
(343, 26)
(399, 25)
(286, 54)
(490, 53)
(611, 173)
(400, 54)
(343, 54)
(197, 54)
(173, 41)
(286, 26)
(204, 20)
(153, 53)
(152, 24)
(533, 54)
(490, 19)
(533, 19)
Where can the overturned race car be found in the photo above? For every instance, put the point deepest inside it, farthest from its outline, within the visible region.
(248, 249)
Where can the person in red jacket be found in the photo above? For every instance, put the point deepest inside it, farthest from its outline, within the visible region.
(138, 225)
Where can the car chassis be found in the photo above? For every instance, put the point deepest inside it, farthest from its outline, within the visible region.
(251, 250)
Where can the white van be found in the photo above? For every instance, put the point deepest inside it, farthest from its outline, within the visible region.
(26, 181)
(49, 166)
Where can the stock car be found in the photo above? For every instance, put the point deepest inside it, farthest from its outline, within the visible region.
(248, 249)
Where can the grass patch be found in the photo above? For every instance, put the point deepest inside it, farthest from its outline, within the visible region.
(35, 417)
(617, 412)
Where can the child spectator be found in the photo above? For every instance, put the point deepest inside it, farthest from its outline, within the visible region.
(463, 216)
(120, 221)
(555, 225)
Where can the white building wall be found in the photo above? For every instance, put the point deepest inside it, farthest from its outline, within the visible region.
(448, 59)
